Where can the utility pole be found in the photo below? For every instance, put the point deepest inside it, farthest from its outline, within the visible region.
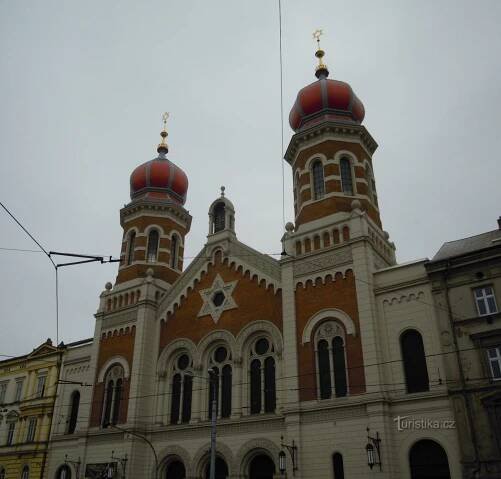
(213, 382)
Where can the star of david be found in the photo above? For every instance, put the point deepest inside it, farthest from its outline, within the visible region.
(217, 298)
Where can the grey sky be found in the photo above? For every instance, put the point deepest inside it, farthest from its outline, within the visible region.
(83, 86)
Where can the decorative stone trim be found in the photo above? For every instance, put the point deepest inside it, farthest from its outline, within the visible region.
(218, 287)
(114, 360)
(202, 455)
(325, 314)
(251, 449)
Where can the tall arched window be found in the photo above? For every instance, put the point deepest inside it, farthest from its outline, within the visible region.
(152, 252)
(317, 172)
(346, 176)
(297, 190)
(74, 405)
(112, 395)
(331, 361)
(414, 359)
(174, 246)
(220, 383)
(2, 473)
(182, 389)
(262, 377)
(219, 217)
(25, 474)
(371, 184)
(337, 465)
(130, 252)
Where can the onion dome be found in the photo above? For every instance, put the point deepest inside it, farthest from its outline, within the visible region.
(325, 99)
(159, 178)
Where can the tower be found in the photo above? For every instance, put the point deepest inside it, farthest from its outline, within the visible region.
(155, 221)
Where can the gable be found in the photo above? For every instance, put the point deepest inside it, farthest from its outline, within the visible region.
(249, 299)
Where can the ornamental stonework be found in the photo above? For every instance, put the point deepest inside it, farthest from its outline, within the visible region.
(217, 298)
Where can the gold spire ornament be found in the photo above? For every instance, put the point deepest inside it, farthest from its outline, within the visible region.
(321, 67)
(163, 147)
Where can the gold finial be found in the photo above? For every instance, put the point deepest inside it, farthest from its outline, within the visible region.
(321, 67)
(163, 147)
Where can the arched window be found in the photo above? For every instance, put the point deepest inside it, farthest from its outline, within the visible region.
(182, 389)
(64, 472)
(153, 239)
(371, 184)
(337, 465)
(219, 217)
(331, 360)
(415, 370)
(74, 405)
(174, 246)
(220, 383)
(317, 172)
(2, 473)
(297, 190)
(262, 377)
(112, 395)
(428, 460)
(346, 177)
(132, 241)
(25, 474)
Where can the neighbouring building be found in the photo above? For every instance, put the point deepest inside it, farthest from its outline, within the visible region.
(325, 361)
(27, 393)
(466, 282)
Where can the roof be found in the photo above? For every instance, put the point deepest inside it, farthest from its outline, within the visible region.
(465, 246)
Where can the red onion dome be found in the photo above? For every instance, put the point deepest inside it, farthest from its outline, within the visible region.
(325, 99)
(159, 178)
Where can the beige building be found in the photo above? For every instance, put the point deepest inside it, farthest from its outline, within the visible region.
(466, 281)
(325, 361)
(27, 395)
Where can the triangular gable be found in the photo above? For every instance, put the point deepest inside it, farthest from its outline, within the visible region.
(237, 255)
(44, 348)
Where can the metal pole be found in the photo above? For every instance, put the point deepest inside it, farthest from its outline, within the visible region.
(213, 379)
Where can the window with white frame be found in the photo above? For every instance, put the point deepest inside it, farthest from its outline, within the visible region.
(3, 391)
(182, 389)
(112, 395)
(486, 301)
(331, 360)
(26, 473)
(152, 252)
(262, 377)
(494, 359)
(10, 433)
(41, 385)
(32, 427)
(19, 389)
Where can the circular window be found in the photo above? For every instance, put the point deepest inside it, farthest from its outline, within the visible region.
(220, 354)
(183, 362)
(218, 299)
(262, 346)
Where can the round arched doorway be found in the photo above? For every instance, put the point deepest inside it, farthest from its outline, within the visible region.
(261, 467)
(221, 469)
(428, 460)
(175, 470)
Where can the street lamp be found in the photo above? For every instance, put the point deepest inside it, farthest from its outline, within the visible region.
(373, 450)
(292, 448)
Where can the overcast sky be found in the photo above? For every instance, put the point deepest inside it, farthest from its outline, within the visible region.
(83, 86)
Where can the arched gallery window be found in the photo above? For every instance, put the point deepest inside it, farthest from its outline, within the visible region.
(337, 465)
(220, 382)
(346, 176)
(25, 474)
(182, 389)
(219, 217)
(64, 472)
(331, 362)
(317, 172)
(415, 370)
(112, 395)
(262, 377)
(153, 239)
(132, 241)
(74, 405)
